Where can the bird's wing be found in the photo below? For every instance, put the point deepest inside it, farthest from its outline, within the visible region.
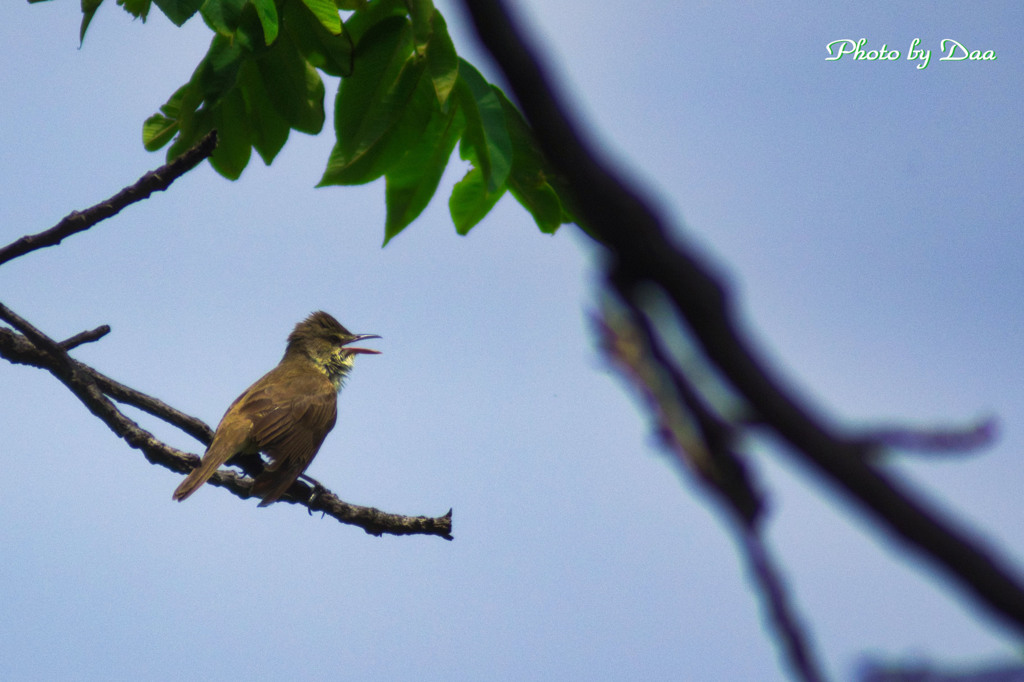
(290, 423)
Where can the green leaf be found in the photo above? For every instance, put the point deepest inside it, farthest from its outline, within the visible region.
(193, 123)
(381, 107)
(218, 71)
(89, 8)
(137, 8)
(543, 203)
(223, 16)
(442, 61)
(471, 201)
(412, 182)
(180, 11)
(421, 12)
(241, 22)
(376, 12)
(370, 162)
(177, 114)
(267, 12)
(323, 49)
(157, 131)
(531, 180)
(293, 85)
(234, 146)
(268, 129)
(173, 107)
(326, 13)
(486, 142)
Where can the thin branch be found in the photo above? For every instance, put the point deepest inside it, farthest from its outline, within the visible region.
(637, 240)
(73, 375)
(632, 347)
(78, 221)
(370, 519)
(696, 436)
(85, 337)
(935, 441)
(781, 614)
(18, 349)
(33, 347)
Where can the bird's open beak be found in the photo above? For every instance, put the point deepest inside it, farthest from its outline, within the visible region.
(360, 337)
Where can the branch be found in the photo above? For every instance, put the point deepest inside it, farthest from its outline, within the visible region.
(638, 243)
(19, 350)
(33, 347)
(696, 436)
(79, 221)
(705, 449)
(85, 337)
(781, 615)
(936, 441)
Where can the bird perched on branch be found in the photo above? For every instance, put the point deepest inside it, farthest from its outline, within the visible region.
(287, 414)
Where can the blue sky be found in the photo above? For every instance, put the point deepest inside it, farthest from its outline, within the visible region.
(867, 213)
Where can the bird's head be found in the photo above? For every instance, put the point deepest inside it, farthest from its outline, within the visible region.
(323, 339)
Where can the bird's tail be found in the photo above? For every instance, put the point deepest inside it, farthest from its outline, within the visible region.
(198, 476)
(226, 443)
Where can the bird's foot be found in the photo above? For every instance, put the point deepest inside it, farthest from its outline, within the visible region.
(318, 490)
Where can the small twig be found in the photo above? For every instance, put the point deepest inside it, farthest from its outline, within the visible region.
(78, 221)
(85, 337)
(33, 347)
(940, 440)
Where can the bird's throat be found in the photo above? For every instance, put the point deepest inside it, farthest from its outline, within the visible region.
(335, 366)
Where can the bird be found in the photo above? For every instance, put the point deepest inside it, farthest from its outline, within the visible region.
(288, 412)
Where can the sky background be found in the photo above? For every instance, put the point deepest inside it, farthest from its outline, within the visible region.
(868, 214)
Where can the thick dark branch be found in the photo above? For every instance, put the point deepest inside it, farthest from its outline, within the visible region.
(32, 347)
(78, 221)
(637, 240)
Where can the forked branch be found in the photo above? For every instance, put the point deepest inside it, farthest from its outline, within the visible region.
(643, 254)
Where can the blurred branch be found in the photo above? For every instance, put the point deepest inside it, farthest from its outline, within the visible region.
(781, 615)
(79, 221)
(702, 441)
(941, 440)
(698, 438)
(641, 252)
(33, 347)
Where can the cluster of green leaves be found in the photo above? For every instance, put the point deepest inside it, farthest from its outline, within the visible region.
(405, 100)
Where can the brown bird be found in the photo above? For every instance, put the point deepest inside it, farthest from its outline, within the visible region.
(286, 414)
